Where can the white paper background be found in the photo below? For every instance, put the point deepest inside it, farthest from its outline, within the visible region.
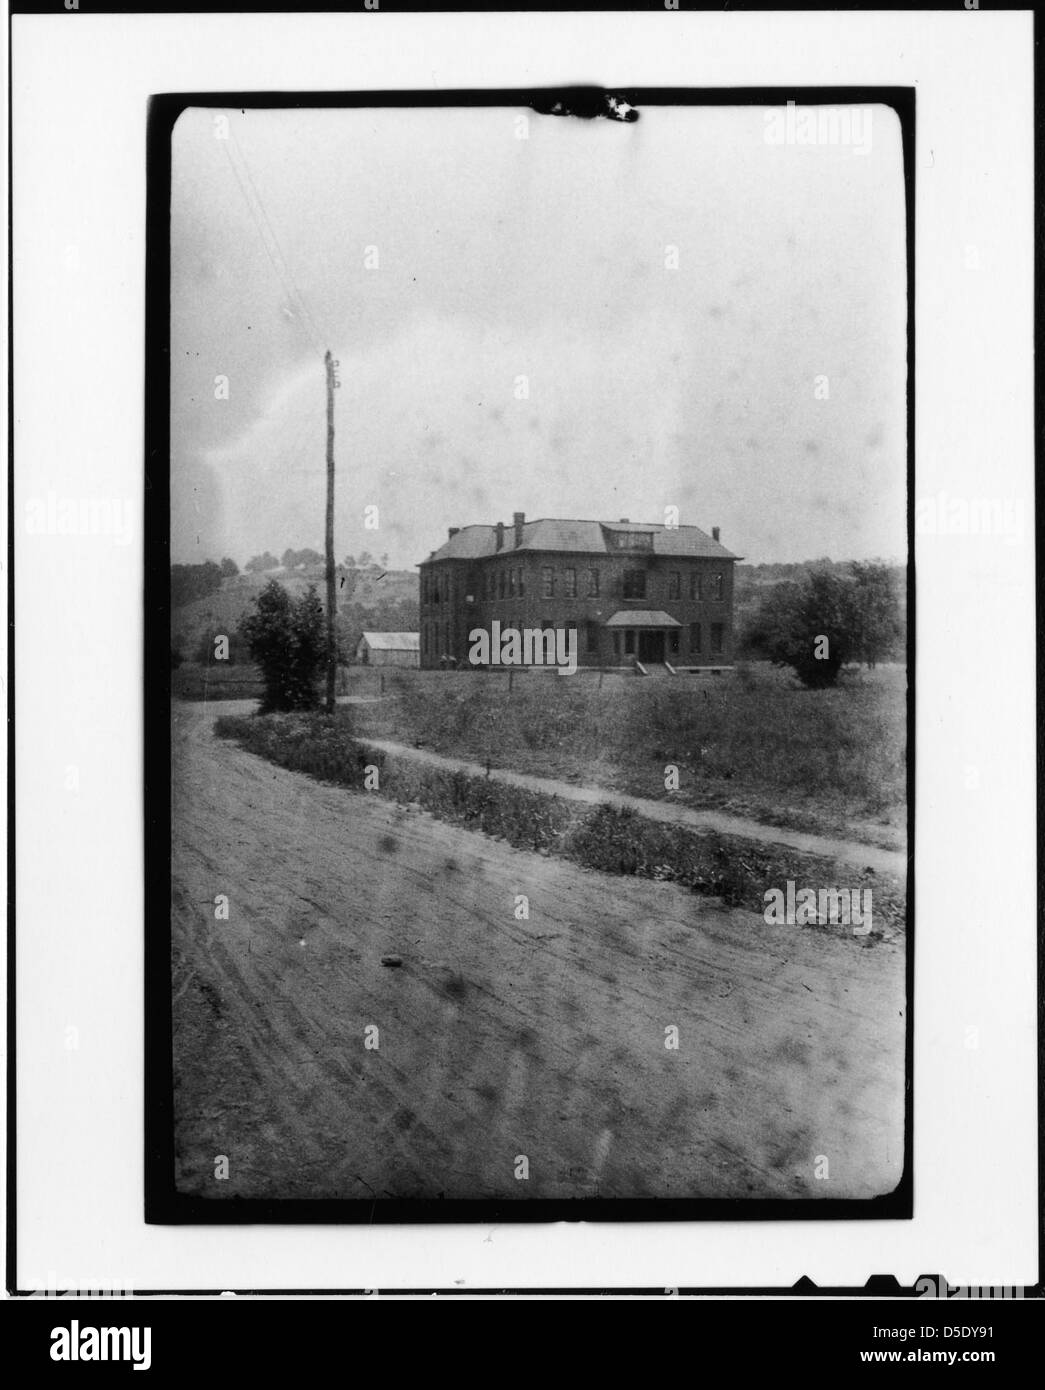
(80, 88)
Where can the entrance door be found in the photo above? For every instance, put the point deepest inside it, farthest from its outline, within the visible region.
(651, 646)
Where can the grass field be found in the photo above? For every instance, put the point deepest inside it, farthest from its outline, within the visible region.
(755, 743)
(217, 681)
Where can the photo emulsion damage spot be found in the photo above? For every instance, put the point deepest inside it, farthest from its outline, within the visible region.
(538, 655)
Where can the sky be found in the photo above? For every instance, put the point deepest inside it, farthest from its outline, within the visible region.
(599, 320)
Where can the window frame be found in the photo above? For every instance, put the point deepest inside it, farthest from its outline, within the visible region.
(629, 581)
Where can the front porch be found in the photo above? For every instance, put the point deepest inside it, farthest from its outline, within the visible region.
(649, 637)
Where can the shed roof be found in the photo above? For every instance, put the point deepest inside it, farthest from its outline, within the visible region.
(393, 641)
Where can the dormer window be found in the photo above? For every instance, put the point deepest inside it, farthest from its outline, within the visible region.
(632, 540)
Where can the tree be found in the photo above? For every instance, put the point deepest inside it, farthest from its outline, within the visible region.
(260, 563)
(349, 562)
(229, 568)
(876, 611)
(189, 582)
(809, 625)
(287, 641)
(300, 559)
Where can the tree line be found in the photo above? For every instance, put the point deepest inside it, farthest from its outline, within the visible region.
(309, 559)
(189, 582)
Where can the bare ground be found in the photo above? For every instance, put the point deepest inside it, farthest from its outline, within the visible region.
(498, 1037)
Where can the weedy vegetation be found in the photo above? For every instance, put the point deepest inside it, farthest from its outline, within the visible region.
(756, 743)
(604, 837)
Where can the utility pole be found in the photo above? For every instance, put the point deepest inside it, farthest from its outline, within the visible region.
(331, 591)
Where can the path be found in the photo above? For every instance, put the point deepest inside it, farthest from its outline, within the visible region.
(840, 851)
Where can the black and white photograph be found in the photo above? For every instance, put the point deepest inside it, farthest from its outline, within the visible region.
(523, 754)
(539, 650)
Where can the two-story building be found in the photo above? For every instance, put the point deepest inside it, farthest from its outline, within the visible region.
(652, 593)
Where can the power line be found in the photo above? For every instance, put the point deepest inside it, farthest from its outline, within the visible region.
(307, 323)
(275, 239)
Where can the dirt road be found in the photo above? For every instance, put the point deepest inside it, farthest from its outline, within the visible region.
(499, 1037)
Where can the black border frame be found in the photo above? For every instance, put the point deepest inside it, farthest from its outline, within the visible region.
(163, 1204)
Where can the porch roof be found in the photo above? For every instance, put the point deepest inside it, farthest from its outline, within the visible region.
(641, 618)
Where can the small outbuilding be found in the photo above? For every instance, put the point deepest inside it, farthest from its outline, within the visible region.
(389, 649)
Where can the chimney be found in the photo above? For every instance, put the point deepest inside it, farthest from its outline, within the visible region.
(519, 518)
(500, 535)
(453, 531)
(714, 533)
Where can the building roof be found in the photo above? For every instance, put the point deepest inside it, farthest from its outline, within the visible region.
(641, 618)
(579, 538)
(393, 641)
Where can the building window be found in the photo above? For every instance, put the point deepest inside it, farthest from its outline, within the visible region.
(716, 639)
(673, 641)
(593, 583)
(511, 583)
(629, 643)
(717, 586)
(500, 583)
(634, 583)
(522, 584)
(616, 644)
(674, 584)
(547, 582)
(591, 637)
(696, 585)
(632, 540)
(435, 588)
(694, 638)
(571, 584)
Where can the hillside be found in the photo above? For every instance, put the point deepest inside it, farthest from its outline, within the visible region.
(367, 598)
